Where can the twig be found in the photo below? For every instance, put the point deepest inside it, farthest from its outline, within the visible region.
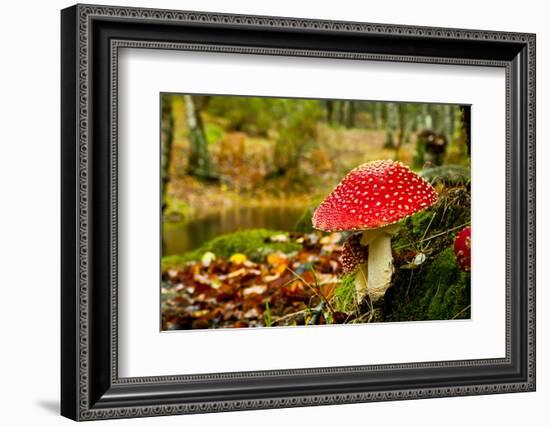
(368, 316)
(292, 314)
(428, 227)
(409, 286)
(463, 310)
(433, 236)
(315, 290)
(318, 287)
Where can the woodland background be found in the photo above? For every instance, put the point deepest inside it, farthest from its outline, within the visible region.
(241, 178)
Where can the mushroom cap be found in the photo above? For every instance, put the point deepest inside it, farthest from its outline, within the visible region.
(373, 195)
(353, 253)
(462, 245)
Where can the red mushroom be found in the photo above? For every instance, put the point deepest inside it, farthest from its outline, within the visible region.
(372, 198)
(463, 244)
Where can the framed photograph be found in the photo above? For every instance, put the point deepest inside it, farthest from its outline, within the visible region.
(263, 212)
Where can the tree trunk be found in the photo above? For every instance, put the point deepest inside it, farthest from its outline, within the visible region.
(402, 125)
(447, 122)
(427, 121)
(351, 115)
(199, 159)
(330, 111)
(391, 124)
(166, 142)
(466, 123)
(452, 119)
(342, 113)
(439, 118)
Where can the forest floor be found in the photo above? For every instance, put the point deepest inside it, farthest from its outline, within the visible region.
(265, 278)
(276, 289)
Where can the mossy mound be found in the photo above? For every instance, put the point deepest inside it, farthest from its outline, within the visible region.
(436, 227)
(448, 288)
(254, 243)
(437, 290)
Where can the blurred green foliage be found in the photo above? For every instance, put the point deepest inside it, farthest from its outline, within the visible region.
(256, 115)
(176, 210)
(297, 133)
(213, 132)
(304, 222)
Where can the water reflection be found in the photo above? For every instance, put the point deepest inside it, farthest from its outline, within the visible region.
(181, 237)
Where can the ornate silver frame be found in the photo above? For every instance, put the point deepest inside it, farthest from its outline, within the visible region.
(91, 388)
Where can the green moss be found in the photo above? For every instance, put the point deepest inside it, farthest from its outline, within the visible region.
(438, 224)
(176, 260)
(437, 291)
(446, 286)
(254, 243)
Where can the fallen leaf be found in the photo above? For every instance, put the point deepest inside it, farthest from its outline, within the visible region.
(251, 313)
(279, 269)
(207, 258)
(279, 238)
(277, 258)
(200, 313)
(237, 258)
(237, 273)
(255, 289)
(270, 278)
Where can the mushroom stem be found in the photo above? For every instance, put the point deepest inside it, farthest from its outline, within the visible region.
(361, 282)
(380, 267)
(380, 260)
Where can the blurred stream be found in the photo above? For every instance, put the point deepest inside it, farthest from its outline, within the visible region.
(180, 237)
